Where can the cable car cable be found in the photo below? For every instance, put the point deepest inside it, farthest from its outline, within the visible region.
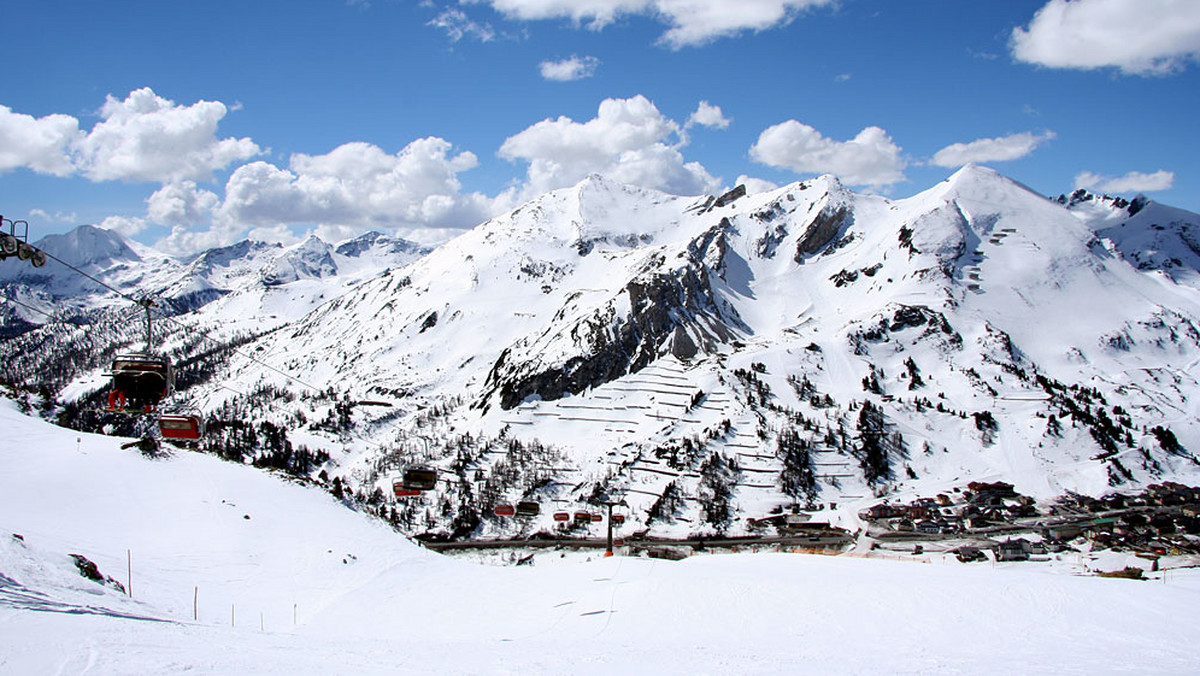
(32, 308)
(204, 334)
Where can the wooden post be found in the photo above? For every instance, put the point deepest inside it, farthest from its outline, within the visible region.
(129, 561)
(196, 605)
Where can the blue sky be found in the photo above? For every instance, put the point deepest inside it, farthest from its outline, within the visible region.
(192, 124)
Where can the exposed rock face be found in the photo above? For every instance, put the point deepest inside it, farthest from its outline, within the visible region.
(827, 223)
(658, 312)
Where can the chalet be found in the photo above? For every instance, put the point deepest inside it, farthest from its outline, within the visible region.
(1012, 550)
(1063, 532)
(928, 527)
(968, 554)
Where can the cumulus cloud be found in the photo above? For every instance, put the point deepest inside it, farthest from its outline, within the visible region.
(181, 203)
(458, 25)
(1134, 181)
(1141, 37)
(1001, 149)
(689, 22)
(41, 144)
(148, 138)
(756, 185)
(871, 158)
(141, 138)
(358, 184)
(708, 115)
(126, 225)
(569, 70)
(629, 140)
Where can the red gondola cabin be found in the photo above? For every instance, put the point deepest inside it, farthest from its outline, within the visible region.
(184, 427)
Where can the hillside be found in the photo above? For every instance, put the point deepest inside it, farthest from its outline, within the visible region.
(714, 360)
(287, 580)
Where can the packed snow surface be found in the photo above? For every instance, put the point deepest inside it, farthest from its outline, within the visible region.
(283, 578)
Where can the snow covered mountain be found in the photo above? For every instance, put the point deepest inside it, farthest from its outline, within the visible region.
(714, 359)
(260, 276)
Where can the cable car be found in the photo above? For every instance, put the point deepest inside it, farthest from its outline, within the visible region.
(528, 508)
(401, 492)
(420, 478)
(503, 510)
(140, 381)
(562, 516)
(185, 427)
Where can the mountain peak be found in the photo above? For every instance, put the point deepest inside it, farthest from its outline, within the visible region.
(89, 245)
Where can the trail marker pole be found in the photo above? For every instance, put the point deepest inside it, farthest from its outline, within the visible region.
(196, 604)
(129, 571)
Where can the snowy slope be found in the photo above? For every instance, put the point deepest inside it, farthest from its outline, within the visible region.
(637, 334)
(306, 586)
(686, 352)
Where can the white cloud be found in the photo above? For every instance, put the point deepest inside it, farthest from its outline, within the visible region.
(708, 115)
(1142, 37)
(181, 203)
(41, 144)
(126, 225)
(1134, 181)
(690, 22)
(870, 158)
(1001, 149)
(142, 138)
(458, 26)
(629, 140)
(754, 185)
(56, 217)
(569, 70)
(358, 184)
(149, 138)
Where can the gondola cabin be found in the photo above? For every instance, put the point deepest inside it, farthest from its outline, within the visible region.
(503, 510)
(400, 491)
(596, 518)
(183, 427)
(420, 478)
(618, 519)
(562, 516)
(528, 508)
(139, 381)
(583, 517)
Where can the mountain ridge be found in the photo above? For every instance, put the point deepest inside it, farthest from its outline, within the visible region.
(610, 340)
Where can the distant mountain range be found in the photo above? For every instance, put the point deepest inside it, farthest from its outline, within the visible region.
(707, 359)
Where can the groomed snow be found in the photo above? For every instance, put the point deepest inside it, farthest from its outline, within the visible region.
(305, 585)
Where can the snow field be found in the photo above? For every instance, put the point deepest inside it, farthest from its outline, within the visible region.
(371, 602)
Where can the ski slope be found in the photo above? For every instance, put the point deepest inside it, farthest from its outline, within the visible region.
(286, 579)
